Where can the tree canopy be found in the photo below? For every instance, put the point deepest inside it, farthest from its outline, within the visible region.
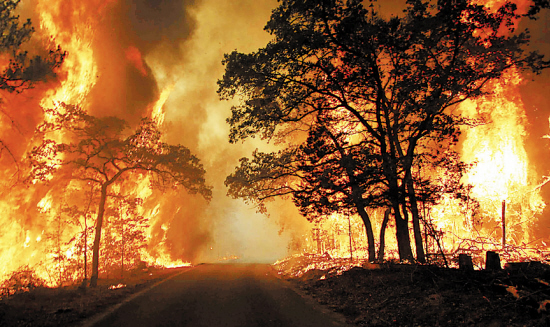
(396, 79)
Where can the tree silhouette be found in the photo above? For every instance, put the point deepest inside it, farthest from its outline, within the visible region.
(324, 175)
(339, 177)
(399, 78)
(98, 152)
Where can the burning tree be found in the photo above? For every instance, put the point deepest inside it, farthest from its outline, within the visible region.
(399, 79)
(20, 71)
(99, 152)
(126, 236)
(79, 216)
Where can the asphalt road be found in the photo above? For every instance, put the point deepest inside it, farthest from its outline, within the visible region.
(221, 295)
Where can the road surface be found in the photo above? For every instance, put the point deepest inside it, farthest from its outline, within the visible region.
(243, 295)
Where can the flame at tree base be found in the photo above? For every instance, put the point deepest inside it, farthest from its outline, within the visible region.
(164, 260)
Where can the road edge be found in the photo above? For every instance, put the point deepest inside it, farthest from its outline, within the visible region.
(93, 320)
(336, 316)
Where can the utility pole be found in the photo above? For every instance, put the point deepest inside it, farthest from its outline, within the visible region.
(503, 224)
(85, 248)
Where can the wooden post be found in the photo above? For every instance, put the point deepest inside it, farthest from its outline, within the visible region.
(503, 224)
(350, 241)
(85, 248)
(492, 261)
(465, 262)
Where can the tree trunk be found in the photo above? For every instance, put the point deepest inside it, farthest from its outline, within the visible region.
(122, 247)
(492, 261)
(357, 197)
(402, 234)
(350, 240)
(420, 256)
(383, 235)
(370, 234)
(97, 239)
(396, 198)
(85, 249)
(59, 259)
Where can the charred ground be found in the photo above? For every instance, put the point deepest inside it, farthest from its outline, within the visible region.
(70, 306)
(409, 295)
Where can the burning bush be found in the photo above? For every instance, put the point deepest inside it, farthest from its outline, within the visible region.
(22, 280)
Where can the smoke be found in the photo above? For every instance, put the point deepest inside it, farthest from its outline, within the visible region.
(196, 118)
(162, 22)
(141, 48)
(180, 45)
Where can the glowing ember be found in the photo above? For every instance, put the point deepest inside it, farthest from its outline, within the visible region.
(116, 287)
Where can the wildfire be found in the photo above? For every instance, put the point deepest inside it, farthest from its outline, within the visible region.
(117, 286)
(157, 112)
(501, 175)
(505, 186)
(163, 259)
(80, 67)
(51, 226)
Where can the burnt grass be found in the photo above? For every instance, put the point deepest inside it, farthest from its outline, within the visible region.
(71, 305)
(408, 295)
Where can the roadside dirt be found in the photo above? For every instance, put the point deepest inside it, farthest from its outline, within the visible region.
(69, 306)
(408, 295)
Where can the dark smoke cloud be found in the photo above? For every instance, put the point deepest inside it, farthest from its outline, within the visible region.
(122, 88)
(197, 118)
(157, 21)
(162, 25)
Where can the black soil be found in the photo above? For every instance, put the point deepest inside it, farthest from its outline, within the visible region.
(407, 295)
